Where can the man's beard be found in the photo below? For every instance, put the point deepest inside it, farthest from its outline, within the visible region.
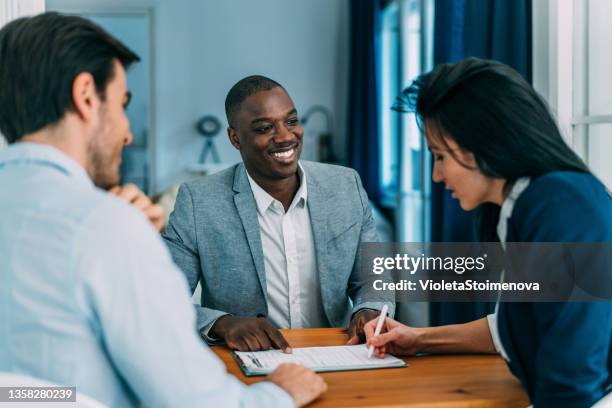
(103, 167)
(104, 174)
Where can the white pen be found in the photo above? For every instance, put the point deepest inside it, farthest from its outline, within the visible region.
(381, 320)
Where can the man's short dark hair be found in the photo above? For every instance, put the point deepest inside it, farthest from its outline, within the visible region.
(243, 89)
(40, 57)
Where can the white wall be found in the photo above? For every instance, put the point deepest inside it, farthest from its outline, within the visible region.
(12, 9)
(204, 46)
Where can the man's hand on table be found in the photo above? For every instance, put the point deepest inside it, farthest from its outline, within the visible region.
(355, 330)
(302, 384)
(138, 199)
(249, 334)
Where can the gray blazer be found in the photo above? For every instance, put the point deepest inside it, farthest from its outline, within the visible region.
(214, 237)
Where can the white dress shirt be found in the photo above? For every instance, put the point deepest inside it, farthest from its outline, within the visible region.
(89, 296)
(502, 232)
(292, 281)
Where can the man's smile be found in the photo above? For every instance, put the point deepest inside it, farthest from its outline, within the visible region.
(285, 155)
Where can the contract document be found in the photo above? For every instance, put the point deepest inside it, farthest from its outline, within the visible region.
(319, 359)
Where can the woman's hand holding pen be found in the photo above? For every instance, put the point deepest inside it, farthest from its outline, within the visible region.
(395, 338)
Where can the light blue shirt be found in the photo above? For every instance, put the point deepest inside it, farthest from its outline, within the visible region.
(89, 296)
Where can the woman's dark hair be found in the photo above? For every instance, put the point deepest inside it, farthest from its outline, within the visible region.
(39, 58)
(488, 109)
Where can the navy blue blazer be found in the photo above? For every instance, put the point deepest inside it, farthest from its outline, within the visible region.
(560, 351)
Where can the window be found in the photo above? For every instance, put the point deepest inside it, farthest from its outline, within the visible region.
(592, 102)
(389, 88)
(571, 69)
(406, 52)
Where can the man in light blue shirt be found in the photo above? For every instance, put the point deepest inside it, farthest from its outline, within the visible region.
(89, 294)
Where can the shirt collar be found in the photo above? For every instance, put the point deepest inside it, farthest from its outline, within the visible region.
(265, 201)
(508, 206)
(45, 155)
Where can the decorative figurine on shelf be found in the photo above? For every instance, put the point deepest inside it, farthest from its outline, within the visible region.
(325, 151)
(209, 126)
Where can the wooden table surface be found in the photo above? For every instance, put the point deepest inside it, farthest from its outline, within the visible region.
(429, 381)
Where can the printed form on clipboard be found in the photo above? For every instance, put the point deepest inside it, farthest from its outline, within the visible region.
(319, 359)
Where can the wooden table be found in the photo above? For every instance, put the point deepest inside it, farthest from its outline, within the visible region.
(429, 381)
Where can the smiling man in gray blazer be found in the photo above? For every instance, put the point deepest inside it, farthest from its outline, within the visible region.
(273, 241)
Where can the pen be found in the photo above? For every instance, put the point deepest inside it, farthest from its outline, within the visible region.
(255, 361)
(381, 319)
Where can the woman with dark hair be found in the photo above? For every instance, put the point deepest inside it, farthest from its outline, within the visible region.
(498, 148)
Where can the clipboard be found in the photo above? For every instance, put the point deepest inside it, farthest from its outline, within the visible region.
(250, 364)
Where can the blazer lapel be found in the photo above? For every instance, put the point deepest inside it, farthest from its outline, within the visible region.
(247, 210)
(319, 202)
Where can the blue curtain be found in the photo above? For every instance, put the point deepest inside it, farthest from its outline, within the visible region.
(363, 141)
(492, 29)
